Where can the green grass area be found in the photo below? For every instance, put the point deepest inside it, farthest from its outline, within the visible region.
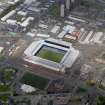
(50, 55)
(103, 56)
(34, 80)
(91, 4)
(86, 86)
(90, 83)
(100, 100)
(18, 17)
(83, 88)
(4, 88)
(2, 57)
(54, 10)
(22, 101)
(8, 74)
(4, 98)
(12, 34)
(102, 87)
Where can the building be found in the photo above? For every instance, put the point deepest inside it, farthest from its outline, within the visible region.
(68, 4)
(12, 2)
(66, 29)
(1, 49)
(55, 29)
(74, 3)
(62, 10)
(8, 15)
(51, 53)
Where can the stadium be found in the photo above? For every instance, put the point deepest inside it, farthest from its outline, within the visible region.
(51, 53)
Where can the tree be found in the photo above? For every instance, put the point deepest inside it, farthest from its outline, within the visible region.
(50, 102)
(54, 10)
(90, 3)
(101, 100)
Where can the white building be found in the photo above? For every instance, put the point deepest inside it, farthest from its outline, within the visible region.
(27, 21)
(68, 4)
(27, 88)
(43, 26)
(13, 1)
(97, 37)
(62, 12)
(8, 15)
(22, 13)
(55, 29)
(43, 35)
(10, 21)
(1, 49)
(66, 29)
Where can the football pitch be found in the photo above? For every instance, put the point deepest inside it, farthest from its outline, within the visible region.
(34, 80)
(51, 54)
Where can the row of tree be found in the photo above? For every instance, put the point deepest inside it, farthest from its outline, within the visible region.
(91, 3)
